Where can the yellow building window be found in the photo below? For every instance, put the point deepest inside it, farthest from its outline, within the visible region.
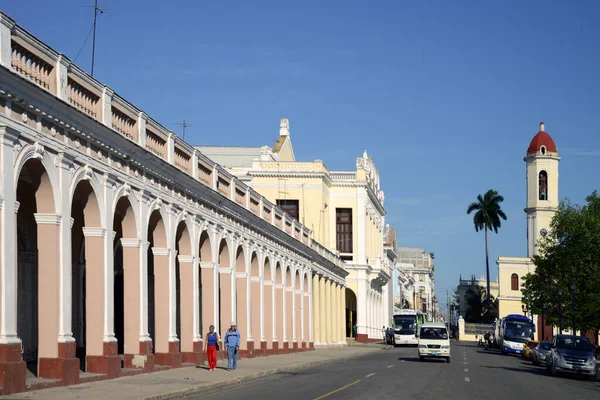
(292, 207)
(343, 229)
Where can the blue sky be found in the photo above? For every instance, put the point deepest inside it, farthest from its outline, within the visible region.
(444, 95)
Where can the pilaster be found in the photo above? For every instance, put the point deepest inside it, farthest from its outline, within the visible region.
(61, 68)
(64, 208)
(6, 25)
(8, 259)
(107, 94)
(141, 125)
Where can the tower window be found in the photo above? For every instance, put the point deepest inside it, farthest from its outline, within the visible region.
(543, 185)
(514, 282)
(543, 150)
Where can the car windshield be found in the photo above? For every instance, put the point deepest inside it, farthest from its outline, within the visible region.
(519, 332)
(434, 333)
(405, 325)
(544, 346)
(580, 344)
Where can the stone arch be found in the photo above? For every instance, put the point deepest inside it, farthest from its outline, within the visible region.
(351, 312)
(37, 240)
(240, 259)
(288, 276)
(125, 205)
(205, 246)
(183, 248)
(86, 174)
(254, 265)
(87, 266)
(223, 254)
(268, 268)
(158, 266)
(37, 152)
(279, 277)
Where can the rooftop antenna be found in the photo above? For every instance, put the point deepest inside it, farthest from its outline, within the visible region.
(184, 125)
(101, 11)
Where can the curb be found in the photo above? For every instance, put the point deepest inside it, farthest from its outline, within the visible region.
(248, 378)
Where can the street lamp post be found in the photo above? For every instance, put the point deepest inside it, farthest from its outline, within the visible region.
(572, 287)
(560, 292)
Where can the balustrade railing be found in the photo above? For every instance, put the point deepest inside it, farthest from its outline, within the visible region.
(30, 66)
(56, 74)
(183, 160)
(156, 144)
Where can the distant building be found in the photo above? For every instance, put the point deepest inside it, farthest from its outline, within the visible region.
(464, 285)
(418, 264)
(344, 209)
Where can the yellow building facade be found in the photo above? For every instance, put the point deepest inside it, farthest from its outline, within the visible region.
(345, 211)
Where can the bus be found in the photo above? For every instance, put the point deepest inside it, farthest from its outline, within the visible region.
(513, 331)
(406, 326)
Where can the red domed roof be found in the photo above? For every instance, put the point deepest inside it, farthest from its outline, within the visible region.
(541, 139)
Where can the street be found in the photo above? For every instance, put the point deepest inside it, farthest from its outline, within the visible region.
(398, 373)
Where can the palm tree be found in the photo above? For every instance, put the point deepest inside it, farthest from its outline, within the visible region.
(486, 218)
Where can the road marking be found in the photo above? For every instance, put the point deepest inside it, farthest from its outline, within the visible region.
(466, 369)
(402, 360)
(466, 363)
(370, 375)
(337, 390)
(467, 379)
(390, 366)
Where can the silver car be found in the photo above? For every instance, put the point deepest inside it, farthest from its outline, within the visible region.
(539, 353)
(571, 354)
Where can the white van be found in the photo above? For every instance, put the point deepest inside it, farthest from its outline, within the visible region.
(434, 341)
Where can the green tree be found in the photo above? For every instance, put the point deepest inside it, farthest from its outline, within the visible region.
(566, 280)
(488, 217)
(475, 300)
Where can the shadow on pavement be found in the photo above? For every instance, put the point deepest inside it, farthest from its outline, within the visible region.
(525, 368)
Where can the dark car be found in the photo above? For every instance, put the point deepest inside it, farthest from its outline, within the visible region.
(571, 354)
(539, 353)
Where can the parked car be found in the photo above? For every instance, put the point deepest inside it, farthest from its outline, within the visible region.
(539, 353)
(571, 354)
(528, 348)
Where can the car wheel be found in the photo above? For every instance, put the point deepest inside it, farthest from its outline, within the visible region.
(421, 358)
(536, 362)
(447, 360)
(553, 371)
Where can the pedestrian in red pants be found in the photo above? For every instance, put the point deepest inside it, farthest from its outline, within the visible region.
(212, 345)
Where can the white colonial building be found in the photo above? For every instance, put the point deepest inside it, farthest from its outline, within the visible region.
(120, 243)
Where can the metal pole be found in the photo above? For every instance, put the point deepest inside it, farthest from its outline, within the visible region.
(573, 308)
(94, 39)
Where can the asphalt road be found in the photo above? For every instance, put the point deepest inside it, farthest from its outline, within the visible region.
(397, 373)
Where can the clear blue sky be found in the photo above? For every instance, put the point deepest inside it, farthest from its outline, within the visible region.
(444, 95)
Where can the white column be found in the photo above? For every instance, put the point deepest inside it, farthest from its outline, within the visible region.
(303, 290)
(310, 308)
(361, 212)
(9, 208)
(197, 335)
(6, 25)
(142, 233)
(109, 259)
(294, 286)
(64, 208)
(170, 229)
(362, 304)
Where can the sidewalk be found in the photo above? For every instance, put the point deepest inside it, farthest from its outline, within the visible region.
(181, 381)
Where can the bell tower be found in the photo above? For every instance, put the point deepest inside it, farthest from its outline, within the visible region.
(542, 187)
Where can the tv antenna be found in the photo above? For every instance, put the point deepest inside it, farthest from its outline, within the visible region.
(96, 11)
(184, 125)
